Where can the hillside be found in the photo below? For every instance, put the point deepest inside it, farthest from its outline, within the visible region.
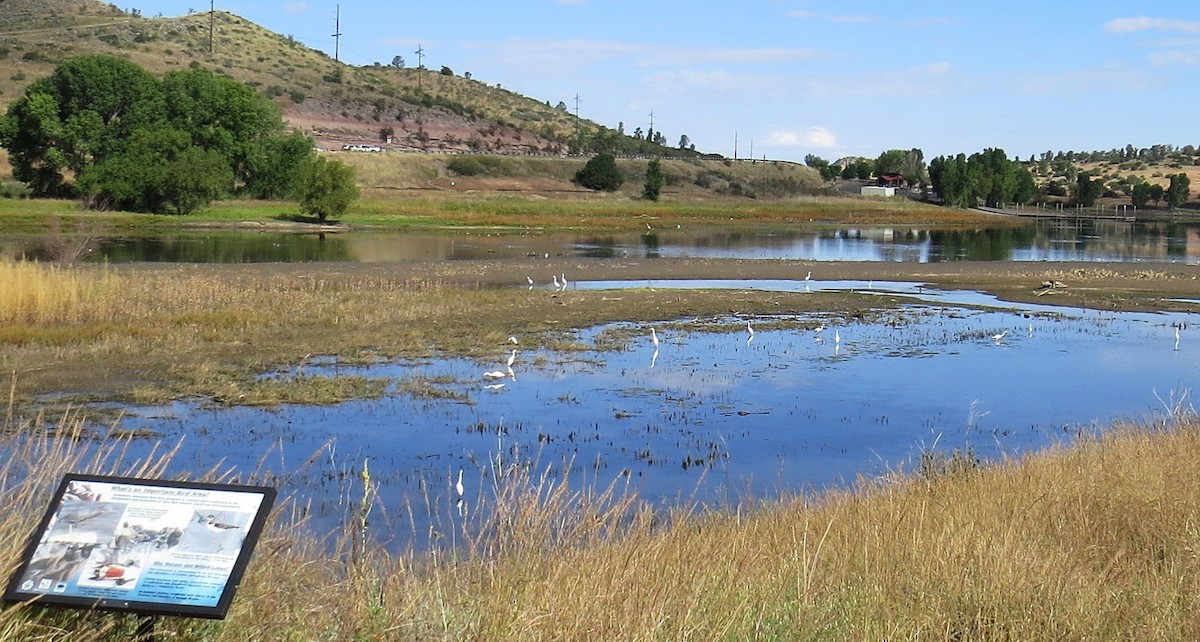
(333, 102)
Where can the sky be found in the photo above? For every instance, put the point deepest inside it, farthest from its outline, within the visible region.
(781, 79)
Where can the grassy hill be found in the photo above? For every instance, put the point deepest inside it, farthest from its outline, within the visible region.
(520, 140)
(334, 102)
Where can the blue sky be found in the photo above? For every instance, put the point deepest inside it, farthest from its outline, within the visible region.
(786, 78)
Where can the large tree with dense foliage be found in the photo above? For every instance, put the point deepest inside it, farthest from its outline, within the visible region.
(325, 188)
(78, 116)
(989, 175)
(129, 140)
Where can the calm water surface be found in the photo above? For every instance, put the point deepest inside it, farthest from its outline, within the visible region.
(1045, 239)
(712, 413)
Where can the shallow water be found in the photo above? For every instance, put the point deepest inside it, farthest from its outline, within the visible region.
(713, 413)
(1048, 239)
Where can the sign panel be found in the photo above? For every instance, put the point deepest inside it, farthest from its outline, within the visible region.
(141, 545)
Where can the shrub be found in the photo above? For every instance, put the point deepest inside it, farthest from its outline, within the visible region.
(600, 173)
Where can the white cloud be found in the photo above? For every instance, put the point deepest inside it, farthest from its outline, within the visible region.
(818, 137)
(938, 68)
(296, 7)
(1175, 58)
(1130, 25)
(843, 19)
(1103, 79)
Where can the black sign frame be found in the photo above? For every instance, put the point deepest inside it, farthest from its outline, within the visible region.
(148, 546)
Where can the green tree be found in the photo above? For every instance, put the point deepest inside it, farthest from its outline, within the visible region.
(157, 171)
(600, 173)
(325, 188)
(228, 117)
(1156, 193)
(952, 180)
(654, 180)
(1140, 194)
(862, 168)
(1087, 189)
(890, 162)
(1178, 191)
(271, 165)
(82, 113)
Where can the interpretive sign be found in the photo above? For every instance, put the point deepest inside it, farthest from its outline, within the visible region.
(146, 546)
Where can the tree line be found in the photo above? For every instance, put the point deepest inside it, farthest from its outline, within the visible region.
(107, 131)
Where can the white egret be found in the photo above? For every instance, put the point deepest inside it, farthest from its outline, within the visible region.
(564, 281)
(998, 337)
(819, 329)
(749, 329)
(654, 338)
(530, 279)
(1176, 338)
(808, 277)
(512, 357)
(837, 336)
(494, 374)
(458, 486)
(513, 340)
(554, 277)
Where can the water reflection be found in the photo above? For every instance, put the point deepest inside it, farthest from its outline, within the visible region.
(708, 413)
(1044, 239)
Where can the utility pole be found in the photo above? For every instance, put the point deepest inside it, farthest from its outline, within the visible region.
(649, 133)
(337, 33)
(420, 65)
(212, 8)
(735, 145)
(578, 136)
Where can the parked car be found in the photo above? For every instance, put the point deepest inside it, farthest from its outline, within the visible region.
(362, 148)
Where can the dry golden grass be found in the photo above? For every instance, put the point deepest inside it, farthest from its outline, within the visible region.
(1092, 542)
(35, 293)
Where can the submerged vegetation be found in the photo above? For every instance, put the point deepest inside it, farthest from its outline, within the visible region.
(1095, 541)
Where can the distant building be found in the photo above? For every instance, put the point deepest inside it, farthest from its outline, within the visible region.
(891, 180)
(876, 190)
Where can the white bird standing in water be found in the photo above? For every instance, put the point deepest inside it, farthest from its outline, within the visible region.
(837, 336)
(530, 279)
(808, 277)
(554, 277)
(458, 486)
(998, 337)
(564, 281)
(654, 338)
(1176, 338)
(749, 329)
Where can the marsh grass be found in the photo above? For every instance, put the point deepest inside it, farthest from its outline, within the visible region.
(1093, 541)
(151, 334)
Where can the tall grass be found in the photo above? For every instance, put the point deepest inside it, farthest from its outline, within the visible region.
(1092, 541)
(37, 293)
